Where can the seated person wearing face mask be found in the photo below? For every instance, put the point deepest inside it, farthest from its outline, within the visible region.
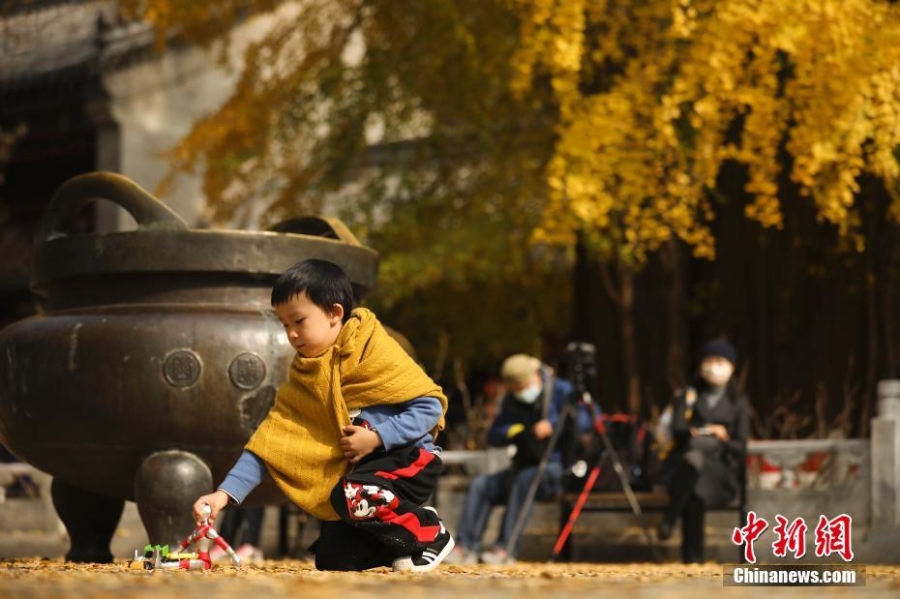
(528, 413)
(710, 426)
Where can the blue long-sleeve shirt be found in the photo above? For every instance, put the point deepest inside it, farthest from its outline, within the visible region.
(408, 423)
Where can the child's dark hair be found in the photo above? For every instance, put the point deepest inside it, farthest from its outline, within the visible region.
(325, 284)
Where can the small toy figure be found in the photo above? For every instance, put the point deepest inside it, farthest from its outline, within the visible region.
(159, 557)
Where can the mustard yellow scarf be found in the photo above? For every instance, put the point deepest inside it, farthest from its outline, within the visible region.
(299, 439)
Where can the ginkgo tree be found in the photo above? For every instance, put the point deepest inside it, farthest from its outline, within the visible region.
(467, 138)
(654, 97)
(399, 118)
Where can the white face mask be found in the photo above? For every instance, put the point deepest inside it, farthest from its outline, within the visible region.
(529, 394)
(716, 372)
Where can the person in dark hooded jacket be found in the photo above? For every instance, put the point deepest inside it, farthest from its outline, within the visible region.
(710, 427)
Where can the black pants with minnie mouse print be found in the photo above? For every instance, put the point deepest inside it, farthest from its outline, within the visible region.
(380, 506)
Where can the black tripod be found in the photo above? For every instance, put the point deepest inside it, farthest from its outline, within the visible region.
(580, 359)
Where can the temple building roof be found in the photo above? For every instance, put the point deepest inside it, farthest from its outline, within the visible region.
(48, 41)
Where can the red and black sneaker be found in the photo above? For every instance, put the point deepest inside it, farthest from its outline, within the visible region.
(429, 558)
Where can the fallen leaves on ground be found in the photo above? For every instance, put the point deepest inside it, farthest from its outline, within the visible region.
(48, 579)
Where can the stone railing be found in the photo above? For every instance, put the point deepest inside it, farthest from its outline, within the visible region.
(810, 478)
(27, 513)
(808, 464)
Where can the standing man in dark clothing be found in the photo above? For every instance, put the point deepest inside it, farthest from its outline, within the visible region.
(710, 426)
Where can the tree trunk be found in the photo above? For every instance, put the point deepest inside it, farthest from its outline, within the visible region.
(625, 298)
(887, 317)
(670, 258)
(870, 286)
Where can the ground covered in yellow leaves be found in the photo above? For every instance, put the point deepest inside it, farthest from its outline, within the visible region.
(48, 579)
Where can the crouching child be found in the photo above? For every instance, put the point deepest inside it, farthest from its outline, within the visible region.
(351, 437)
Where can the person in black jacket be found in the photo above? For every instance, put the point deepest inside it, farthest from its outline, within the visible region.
(710, 426)
(528, 413)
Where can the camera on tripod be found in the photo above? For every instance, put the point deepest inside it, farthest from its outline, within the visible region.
(580, 365)
(589, 454)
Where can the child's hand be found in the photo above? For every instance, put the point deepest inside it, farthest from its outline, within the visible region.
(358, 442)
(216, 500)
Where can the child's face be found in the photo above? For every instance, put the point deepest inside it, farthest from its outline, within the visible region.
(310, 329)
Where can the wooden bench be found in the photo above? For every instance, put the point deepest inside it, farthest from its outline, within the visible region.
(655, 501)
